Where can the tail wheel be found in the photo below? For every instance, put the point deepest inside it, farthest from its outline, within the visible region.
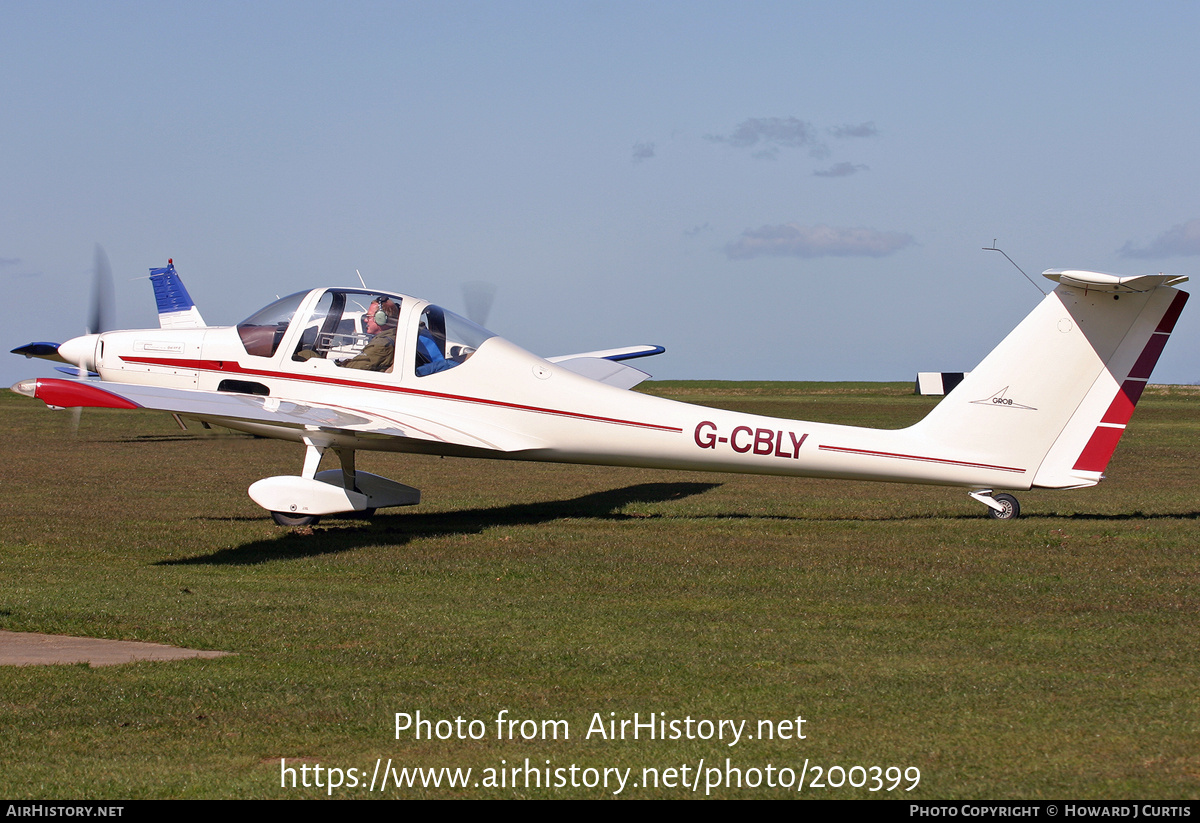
(1010, 509)
(288, 519)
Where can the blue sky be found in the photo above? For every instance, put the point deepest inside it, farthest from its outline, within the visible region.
(789, 191)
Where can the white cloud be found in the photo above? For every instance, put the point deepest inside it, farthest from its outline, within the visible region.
(792, 240)
(1178, 241)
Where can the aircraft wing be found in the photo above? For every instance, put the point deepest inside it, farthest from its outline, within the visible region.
(605, 366)
(624, 353)
(218, 407)
(604, 371)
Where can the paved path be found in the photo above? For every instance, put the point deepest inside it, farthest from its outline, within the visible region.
(30, 649)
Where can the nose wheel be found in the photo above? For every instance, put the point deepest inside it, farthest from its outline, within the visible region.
(1000, 506)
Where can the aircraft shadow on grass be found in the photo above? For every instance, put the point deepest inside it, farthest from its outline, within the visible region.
(934, 515)
(1193, 515)
(157, 438)
(399, 529)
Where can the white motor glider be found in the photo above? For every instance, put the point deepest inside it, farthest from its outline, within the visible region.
(1044, 410)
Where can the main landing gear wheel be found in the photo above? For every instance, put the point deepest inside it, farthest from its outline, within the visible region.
(288, 519)
(1010, 509)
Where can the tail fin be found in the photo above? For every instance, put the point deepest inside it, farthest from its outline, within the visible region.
(176, 309)
(1056, 394)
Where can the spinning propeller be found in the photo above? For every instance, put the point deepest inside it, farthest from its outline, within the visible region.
(478, 297)
(100, 317)
(80, 352)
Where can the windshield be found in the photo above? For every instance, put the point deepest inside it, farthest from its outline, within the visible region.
(262, 331)
(445, 340)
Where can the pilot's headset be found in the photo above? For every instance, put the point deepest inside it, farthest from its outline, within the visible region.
(381, 317)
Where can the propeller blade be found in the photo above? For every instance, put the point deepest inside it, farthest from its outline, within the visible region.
(102, 307)
(478, 297)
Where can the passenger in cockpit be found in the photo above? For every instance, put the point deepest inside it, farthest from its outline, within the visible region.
(380, 353)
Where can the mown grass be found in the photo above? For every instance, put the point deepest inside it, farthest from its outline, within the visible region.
(1053, 656)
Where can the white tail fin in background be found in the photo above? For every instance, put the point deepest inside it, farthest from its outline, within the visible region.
(1057, 393)
(176, 309)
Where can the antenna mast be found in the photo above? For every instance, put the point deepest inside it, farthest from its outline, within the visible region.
(1009, 259)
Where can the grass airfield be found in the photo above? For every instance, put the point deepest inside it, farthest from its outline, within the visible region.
(1055, 656)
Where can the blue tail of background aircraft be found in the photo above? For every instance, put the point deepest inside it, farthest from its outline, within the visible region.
(176, 309)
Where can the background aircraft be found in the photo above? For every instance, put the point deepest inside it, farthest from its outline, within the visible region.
(345, 369)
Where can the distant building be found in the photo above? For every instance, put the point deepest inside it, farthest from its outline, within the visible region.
(938, 382)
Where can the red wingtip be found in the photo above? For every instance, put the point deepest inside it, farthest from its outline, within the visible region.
(71, 393)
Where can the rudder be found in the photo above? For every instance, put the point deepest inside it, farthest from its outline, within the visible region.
(1054, 397)
(1082, 452)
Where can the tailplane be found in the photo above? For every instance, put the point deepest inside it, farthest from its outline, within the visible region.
(1055, 396)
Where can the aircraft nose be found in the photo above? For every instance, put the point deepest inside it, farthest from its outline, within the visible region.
(80, 351)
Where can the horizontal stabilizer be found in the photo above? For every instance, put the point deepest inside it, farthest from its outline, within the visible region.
(1103, 281)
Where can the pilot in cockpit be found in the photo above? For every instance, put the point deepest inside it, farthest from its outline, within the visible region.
(380, 353)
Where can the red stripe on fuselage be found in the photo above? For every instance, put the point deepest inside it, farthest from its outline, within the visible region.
(233, 367)
(919, 458)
